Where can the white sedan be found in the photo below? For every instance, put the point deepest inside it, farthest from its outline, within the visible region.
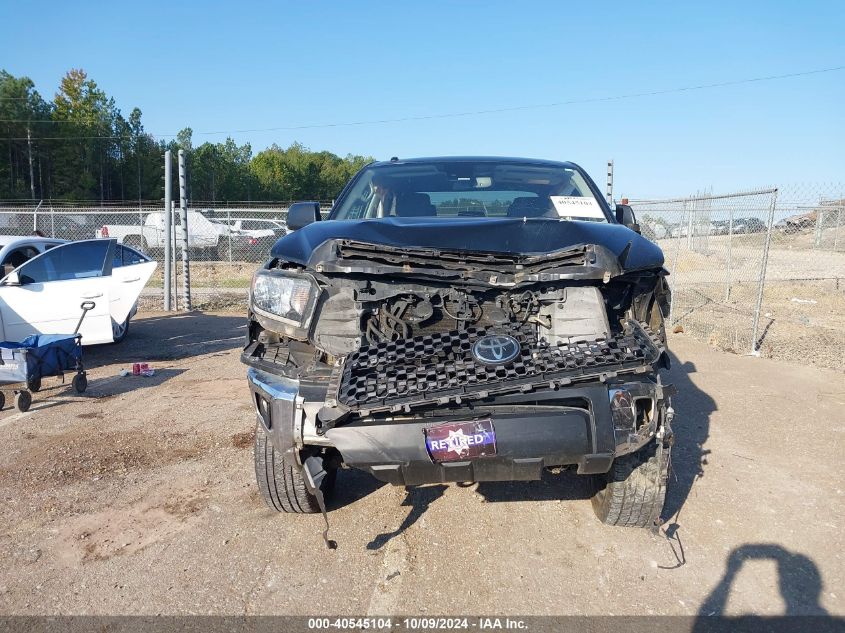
(258, 227)
(45, 294)
(16, 249)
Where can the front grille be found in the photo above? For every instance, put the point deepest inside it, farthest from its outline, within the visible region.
(439, 367)
(463, 260)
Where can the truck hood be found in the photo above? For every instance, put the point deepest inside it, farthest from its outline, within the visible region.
(507, 236)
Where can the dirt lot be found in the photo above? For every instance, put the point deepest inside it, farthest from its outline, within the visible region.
(139, 498)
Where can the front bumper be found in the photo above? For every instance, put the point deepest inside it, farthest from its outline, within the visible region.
(533, 431)
(528, 440)
(278, 408)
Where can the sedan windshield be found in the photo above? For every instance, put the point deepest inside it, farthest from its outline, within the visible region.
(467, 188)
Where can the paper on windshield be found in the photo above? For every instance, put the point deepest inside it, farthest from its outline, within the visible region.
(577, 207)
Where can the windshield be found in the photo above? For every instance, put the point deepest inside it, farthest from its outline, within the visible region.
(483, 189)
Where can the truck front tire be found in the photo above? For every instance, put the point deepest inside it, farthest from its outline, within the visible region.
(632, 493)
(280, 480)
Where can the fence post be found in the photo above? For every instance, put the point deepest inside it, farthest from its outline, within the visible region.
(730, 253)
(168, 227)
(229, 230)
(673, 280)
(761, 282)
(183, 216)
(35, 217)
(817, 242)
(691, 221)
(175, 254)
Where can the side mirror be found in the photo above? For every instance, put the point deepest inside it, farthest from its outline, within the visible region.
(625, 215)
(12, 279)
(302, 214)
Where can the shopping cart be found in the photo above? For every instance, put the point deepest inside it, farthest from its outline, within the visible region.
(24, 364)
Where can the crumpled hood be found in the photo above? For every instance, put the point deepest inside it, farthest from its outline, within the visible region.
(495, 235)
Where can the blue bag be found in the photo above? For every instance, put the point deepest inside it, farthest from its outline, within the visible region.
(39, 355)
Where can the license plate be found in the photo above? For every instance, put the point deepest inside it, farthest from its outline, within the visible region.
(458, 441)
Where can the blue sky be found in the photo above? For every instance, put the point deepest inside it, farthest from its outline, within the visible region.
(240, 65)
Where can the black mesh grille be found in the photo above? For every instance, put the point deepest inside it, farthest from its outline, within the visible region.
(440, 367)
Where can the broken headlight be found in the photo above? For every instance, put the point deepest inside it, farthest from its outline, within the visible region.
(631, 406)
(284, 297)
(622, 410)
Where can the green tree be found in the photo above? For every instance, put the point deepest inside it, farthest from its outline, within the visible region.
(184, 139)
(83, 148)
(23, 113)
(85, 118)
(220, 171)
(296, 173)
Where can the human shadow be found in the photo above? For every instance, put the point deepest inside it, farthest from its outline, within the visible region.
(419, 498)
(799, 581)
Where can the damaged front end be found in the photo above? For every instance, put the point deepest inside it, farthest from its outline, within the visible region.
(424, 365)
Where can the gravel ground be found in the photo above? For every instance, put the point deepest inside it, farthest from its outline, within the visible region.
(139, 498)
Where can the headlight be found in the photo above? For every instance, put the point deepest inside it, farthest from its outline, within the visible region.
(622, 409)
(284, 296)
(631, 406)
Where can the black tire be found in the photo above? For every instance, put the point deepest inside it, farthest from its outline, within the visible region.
(34, 384)
(2, 399)
(282, 484)
(632, 493)
(80, 383)
(23, 399)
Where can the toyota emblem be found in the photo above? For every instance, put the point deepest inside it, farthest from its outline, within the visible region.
(495, 349)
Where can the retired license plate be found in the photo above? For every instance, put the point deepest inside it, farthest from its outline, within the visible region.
(458, 441)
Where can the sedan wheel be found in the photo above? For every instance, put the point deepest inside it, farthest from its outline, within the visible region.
(119, 330)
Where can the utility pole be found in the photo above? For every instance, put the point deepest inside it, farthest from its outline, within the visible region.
(138, 158)
(31, 177)
(610, 183)
(183, 216)
(168, 227)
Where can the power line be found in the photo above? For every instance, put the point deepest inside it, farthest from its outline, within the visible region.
(534, 106)
(448, 115)
(67, 138)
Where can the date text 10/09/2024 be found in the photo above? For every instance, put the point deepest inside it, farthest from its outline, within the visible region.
(416, 624)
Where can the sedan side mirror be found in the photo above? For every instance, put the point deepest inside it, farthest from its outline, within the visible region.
(12, 279)
(625, 215)
(302, 214)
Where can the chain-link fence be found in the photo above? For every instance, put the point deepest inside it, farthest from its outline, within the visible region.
(225, 243)
(758, 272)
(752, 272)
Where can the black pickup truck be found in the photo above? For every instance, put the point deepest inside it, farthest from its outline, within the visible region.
(462, 319)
